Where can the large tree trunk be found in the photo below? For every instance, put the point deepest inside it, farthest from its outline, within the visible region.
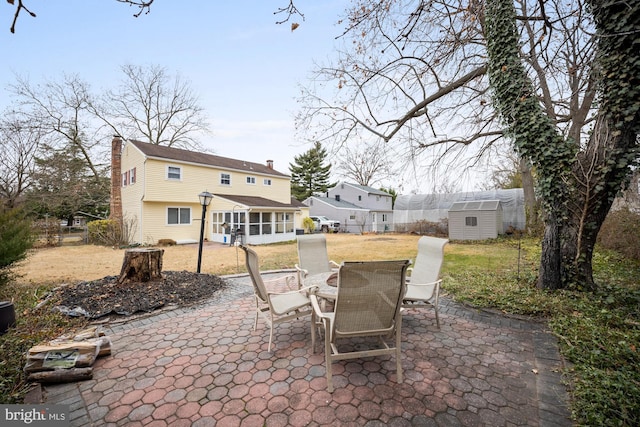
(597, 175)
(577, 183)
(550, 273)
(141, 265)
(531, 204)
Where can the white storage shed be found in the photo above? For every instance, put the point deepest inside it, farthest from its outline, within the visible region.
(475, 220)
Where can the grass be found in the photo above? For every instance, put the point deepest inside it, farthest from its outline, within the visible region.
(598, 332)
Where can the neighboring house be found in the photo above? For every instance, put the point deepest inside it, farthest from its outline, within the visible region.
(358, 208)
(159, 189)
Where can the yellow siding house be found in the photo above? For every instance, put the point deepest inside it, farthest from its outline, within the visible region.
(159, 192)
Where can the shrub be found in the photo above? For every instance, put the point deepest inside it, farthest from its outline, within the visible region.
(47, 232)
(424, 227)
(308, 225)
(107, 232)
(621, 232)
(15, 240)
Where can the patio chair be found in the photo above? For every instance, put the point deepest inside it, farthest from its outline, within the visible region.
(367, 304)
(276, 307)
(313, 257)
(423, 279)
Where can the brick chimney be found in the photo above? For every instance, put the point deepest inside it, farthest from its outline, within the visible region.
(115, 205)
(270, 164)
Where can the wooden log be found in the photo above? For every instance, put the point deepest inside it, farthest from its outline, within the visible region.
(61, 375)
(141, 265)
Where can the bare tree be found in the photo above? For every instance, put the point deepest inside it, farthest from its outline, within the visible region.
(366, 165)
(152, 105)
(143, 7)
(19, 145)
(61, 111)
(416, 74)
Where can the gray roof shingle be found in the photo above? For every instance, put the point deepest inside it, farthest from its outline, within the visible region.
(178, 154)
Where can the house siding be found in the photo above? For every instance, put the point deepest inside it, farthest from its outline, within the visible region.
(145, 203)
(132, 194)
(371, 209)
(195, 179)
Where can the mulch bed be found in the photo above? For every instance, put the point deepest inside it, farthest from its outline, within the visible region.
(105, 296)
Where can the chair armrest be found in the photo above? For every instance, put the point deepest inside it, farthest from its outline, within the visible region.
(301, 270)
(334, 264)
(289, 279)
(307, 289)
(316, 307)
(436, 283)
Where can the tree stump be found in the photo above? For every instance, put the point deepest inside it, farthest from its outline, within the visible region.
(141, 265)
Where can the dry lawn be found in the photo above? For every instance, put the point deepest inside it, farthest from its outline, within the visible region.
(69, 264)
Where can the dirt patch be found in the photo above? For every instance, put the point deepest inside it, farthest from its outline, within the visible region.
(98, 298)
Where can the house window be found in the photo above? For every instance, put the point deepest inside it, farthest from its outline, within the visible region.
(132, 176)
(125, 179)
(225, 179)
(174, 172)
(266, 181)
(266, 222)
(176, 216)
(251, 180)
(471, 221)
(384, 217)
(352, 217)
(254, 223)
(359, 198)
(284, 222)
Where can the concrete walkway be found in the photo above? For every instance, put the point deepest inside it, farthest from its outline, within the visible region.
(206, 366)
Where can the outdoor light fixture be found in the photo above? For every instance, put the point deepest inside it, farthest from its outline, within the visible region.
(205, 198)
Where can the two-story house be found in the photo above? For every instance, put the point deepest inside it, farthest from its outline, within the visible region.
(359, 208)
(159, 189)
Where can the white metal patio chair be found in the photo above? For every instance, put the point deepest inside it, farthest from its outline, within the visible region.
(368, 304)
(423, 278)
(276, 307)
(313, 257)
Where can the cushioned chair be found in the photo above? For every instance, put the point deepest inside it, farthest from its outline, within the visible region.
(423, 279)
(312, 256)
(276, 307)
(368, 304)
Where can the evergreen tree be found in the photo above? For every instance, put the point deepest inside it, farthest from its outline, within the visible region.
(15, 240)
(308, 175)
(64, 184)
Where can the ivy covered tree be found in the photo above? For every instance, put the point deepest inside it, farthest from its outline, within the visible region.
(577, 180)
(309, 173)
(455, 82)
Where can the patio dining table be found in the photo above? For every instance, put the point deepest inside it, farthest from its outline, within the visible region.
(326, 283)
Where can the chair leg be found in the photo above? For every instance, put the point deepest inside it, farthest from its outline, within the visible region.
(255, 323)
(313, 332)
(399, 353)
(270, 333)
(435, 307)
(327, 359)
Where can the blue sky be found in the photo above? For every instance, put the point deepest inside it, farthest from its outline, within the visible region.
(244, 68)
